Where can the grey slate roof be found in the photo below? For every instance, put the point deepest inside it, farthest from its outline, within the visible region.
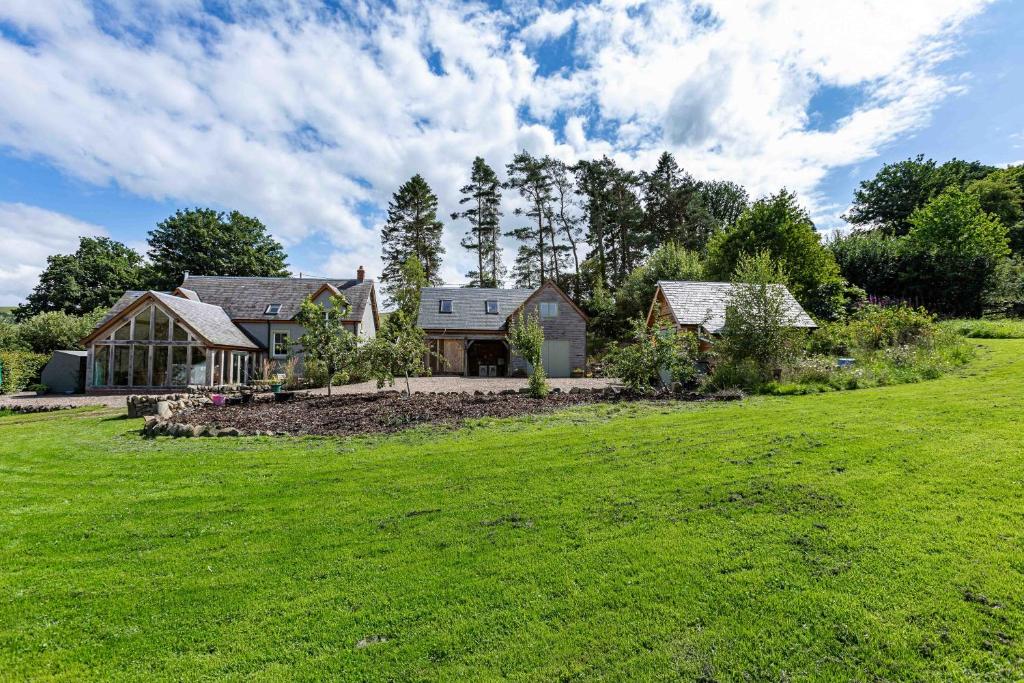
(208, 320)
(703, 303)
(246, 298)
(468, 307)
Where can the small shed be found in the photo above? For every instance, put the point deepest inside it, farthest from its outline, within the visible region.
(65, 372)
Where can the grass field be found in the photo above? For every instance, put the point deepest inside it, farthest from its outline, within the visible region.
(1000, 328)
(865, 535)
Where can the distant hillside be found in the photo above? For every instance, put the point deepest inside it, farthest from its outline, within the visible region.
(6, 312)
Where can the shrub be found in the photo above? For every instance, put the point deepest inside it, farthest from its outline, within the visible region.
(20, 368)
(641, 364)
(873, 328)
(527, 338)
(48, 332)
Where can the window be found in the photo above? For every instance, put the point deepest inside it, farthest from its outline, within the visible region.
(142, 325)
(99, 366)
(273, 309)
(160, 356)
(279, 348)
(179, 365)
(491, 306)
(140, 363)
(198, 374)
(180, 334)
(161, 326)
(446, 306)
(124, 332)
(548, 309)
(121, 366)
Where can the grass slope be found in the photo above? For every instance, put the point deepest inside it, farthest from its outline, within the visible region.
(874, 534)
(1001, 328)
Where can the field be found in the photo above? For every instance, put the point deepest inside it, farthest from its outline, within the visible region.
(875, 534)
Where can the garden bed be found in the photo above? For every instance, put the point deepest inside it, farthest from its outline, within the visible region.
(385, 412)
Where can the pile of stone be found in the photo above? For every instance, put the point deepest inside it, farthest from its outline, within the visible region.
(141, 406)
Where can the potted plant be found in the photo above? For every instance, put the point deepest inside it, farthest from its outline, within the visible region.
(40, 389)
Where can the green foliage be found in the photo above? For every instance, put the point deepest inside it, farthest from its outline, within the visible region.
(10, 340)
(779, 226)
(669, 262)
(20, 368)
(889, 199)
(526, 336)
(411, 231)
(757, 339)
(674, 209)
(877, 263)
(400, 348)
(48, 332)
(873, 328)
(325, 338)
(208, 242)
(406, 298)
(997, 328)
(725, 201)
(651, 352)
(95, 276)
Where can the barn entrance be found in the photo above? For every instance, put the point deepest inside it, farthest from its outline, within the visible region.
(486, 358)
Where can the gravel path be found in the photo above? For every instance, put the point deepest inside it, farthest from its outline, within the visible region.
(75, 400)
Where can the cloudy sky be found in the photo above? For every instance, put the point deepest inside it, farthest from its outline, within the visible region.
(115, 113)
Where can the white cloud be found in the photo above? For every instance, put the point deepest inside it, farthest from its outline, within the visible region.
(28, 235)
(305, 119)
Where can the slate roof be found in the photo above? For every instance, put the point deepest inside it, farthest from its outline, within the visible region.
(468, 307)
(246, 298)
(703, 303)
(126, 299)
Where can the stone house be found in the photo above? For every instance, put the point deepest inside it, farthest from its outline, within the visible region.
(468, 327)
(212, 330)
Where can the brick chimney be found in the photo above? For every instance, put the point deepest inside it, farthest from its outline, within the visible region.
(360, 274)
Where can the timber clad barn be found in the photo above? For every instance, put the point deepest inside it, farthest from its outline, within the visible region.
(468, 327)
(212, 330)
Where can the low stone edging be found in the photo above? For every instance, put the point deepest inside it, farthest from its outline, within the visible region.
(28, 409)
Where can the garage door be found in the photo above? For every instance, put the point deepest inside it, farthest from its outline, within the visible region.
(556, 357)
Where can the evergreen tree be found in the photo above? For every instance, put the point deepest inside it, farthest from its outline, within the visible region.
(625, 216)
(593, 180)
(674, 209)
(482, 199)
(412, 230)
(529, 176)
(565, 220)
(208, 242)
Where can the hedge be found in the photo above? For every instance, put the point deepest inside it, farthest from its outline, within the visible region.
(20, 368)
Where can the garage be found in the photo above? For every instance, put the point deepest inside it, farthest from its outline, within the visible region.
(555, 356)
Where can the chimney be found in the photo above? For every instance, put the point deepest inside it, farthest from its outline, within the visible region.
(360, 274)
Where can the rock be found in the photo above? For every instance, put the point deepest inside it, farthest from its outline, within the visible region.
(163, 410)
(576, 390)
(478, 393)
(229, 431)
(524, 390)
(149, 423)
(555, 390)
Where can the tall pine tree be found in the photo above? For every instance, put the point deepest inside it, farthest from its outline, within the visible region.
(529, 176)
(412, 230)
(565, 219)
(674, 209)
(594, 179)
(482, 201)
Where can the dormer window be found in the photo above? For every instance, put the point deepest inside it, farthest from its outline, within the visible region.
(445, 306)
(491, 306)
(273, 309)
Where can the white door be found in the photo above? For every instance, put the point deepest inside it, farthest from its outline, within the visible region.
(556, 357)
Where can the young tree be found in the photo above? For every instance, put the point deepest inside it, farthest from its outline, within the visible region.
(529, 176)
(526, 336)
(781, 227)
(758, 328)
(400, 353)
(669, 262)
(95, 276)
(412, 230)
(205, 241)
(326, 340)
(406, 297)
(482, 201)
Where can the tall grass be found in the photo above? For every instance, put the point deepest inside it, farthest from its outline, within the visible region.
(1004, 328)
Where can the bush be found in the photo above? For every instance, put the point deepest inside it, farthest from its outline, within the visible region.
(873, 328)
(640, 365)
(48, 332)
(20, 368)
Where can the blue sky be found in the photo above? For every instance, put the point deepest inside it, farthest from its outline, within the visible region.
(114, 114)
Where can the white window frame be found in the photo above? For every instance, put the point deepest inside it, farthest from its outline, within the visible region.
(273, 342)
(487, 307)
(276, 309)
(547, 306)
(451, 306)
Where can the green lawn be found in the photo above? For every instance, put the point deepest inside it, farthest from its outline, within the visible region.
(870, 535)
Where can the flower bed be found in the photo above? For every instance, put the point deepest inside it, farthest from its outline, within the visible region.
(384, 412)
